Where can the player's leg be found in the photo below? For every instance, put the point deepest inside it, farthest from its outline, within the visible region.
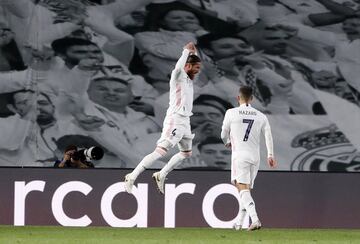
(185, 148)
(242, 213)
(256, 224)
(236, 176)
(243, 182)
(175, 160)
(145, 163)
(168, 139)
(239, 223)
(185, 151)
(249, 204)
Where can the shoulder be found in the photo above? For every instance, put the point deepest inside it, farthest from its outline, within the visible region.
(230, 112)
(259, 114)
(177, 72)
(262, 116)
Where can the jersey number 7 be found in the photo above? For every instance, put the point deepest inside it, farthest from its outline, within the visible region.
(250, 122)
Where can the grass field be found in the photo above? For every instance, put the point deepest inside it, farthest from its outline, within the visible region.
(102, 235)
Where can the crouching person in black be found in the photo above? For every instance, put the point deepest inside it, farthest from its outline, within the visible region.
(72, 160)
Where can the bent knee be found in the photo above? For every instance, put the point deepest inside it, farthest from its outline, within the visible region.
(186, 154)
(161, 150)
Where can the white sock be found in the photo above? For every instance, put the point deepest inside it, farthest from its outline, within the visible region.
(147, 161)
(173, 162)
(241, 217)
(249, 204)
(242, 214)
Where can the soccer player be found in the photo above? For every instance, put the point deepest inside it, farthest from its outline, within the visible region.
(176, 126)
(241, 131)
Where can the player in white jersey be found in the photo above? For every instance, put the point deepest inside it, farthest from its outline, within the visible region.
(241, 131)
(176, 127)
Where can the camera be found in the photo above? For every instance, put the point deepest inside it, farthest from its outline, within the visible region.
(87, 154)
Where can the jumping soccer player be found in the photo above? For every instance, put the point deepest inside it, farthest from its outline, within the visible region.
(241, 131)
(176, 126)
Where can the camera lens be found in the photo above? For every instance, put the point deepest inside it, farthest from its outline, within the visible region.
(94, 153)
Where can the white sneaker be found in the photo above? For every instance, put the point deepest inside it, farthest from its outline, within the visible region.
(237, 226)
(159, 181)
(255, 226)
(128, 183)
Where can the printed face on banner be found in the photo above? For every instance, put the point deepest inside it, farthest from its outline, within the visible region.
(109, 66)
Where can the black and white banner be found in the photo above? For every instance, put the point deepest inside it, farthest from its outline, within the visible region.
(96, 73)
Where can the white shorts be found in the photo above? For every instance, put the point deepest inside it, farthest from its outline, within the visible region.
(177, 130)
(243, 172)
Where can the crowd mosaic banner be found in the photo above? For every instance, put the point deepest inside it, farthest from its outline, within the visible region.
(96, 73)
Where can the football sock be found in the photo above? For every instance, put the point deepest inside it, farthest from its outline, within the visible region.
(147, 161)
(173, 162)
(248, 203)
(240, 220)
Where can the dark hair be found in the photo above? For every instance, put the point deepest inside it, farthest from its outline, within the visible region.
(205, 41)
(208, 20)
(70, 147)
(246, 92)
(60, 46)
(209, 140)
(110, 78)
(47, 97)
(95, 1)
(11, 99)
(12, 54)
(158, 11)
(213, 101)
(193, 59)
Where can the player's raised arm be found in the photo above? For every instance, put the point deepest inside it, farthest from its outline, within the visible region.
(225, 130)
(269, 143)
(188, 49)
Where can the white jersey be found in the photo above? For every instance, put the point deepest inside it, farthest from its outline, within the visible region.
(242, 128)
(181, 89)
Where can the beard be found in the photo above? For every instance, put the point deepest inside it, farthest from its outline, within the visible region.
(191, 75)
(45, 120)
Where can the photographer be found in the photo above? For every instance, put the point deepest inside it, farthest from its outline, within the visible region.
(71, 159)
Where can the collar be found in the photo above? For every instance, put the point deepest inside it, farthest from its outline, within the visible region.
(244, 105)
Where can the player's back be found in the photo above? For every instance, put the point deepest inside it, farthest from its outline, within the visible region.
(245, 124)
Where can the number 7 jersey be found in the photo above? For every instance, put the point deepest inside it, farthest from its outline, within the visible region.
(242, 127)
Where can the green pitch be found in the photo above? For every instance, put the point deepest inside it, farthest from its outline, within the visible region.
(101, 235)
